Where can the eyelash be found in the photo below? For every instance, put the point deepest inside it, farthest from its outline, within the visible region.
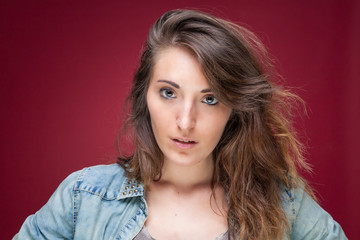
(165, 91)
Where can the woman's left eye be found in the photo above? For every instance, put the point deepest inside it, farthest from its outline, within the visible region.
(211, 100)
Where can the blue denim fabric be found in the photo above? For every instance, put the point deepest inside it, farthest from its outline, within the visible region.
(101, 203)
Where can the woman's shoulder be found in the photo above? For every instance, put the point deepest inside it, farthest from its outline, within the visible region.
(101, 174)
(106, 181)
(296, 201)
(306, 218)
(75, 206)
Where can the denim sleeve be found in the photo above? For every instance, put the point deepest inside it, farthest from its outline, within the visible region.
(311, 221)
(56, 219)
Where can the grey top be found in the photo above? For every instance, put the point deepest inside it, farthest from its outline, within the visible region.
(145, 235)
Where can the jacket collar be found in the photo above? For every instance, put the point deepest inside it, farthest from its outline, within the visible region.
(130, 188)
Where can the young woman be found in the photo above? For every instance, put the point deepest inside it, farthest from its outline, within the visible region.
(215, 156)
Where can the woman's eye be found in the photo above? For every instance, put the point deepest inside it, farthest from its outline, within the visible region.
(211, 100)
(167, 93)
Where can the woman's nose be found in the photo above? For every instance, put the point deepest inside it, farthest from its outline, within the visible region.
(186, 118)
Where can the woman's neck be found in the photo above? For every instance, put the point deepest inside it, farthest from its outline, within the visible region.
(187, 178)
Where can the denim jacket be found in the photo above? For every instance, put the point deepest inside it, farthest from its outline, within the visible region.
(101, 203)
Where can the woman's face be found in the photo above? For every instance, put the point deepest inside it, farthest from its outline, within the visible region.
(186, 118)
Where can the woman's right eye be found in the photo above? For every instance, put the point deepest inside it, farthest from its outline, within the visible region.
(167, 93)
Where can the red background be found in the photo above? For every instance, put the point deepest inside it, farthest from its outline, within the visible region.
(66, 67)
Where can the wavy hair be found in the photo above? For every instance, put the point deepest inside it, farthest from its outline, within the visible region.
(258, 151)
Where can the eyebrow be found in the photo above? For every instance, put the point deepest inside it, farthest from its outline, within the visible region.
(170, 82)
(206, 90)
(178, 87)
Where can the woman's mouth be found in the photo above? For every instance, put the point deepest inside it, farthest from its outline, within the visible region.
(184, 143)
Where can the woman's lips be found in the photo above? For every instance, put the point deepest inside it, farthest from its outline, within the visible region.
(184, 143)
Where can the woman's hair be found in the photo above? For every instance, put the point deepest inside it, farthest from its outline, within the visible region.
(258, 151)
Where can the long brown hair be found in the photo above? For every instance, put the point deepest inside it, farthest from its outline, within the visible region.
(258, 151)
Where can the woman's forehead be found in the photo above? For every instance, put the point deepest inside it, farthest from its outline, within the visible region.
(180, 66)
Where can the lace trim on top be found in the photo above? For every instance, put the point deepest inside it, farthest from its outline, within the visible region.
(145, 235)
